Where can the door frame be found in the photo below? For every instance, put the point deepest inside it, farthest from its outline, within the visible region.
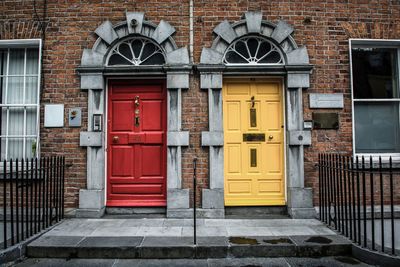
(283, 98)
(132, 80)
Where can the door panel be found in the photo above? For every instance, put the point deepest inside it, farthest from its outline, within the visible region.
(136, 144)
(253, 165)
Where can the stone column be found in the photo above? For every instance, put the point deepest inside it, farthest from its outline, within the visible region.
(299, 198)
(177, 198)
(213, 198)
(92, 199)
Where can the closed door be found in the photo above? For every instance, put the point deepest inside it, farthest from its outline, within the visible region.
(253, 142)
(136, 144)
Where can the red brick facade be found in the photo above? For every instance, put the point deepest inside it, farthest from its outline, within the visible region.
(324, 27)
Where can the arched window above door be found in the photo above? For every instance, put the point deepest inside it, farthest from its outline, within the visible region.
(253, 50)
(136, 51)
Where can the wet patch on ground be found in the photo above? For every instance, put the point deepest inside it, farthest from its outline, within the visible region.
(243, 241)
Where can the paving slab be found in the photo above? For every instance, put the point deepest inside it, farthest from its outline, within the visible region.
(318, 246)
(167, 248)
(109, 247)
(47, 246)
(212, 247)
(261, 246)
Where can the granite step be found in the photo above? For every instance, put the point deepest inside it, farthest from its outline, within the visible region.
(182, 247)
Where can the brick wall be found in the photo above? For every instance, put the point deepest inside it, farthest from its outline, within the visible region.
(323, 26)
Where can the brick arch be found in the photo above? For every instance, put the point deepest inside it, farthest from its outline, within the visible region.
(109, 34)
(252, 24)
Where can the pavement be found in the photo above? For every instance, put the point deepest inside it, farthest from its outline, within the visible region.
(338, 261)
(161, 238)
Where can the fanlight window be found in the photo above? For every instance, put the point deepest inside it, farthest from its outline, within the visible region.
(136, 51)
(253, 50)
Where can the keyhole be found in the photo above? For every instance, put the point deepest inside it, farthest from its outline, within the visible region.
(137, 121)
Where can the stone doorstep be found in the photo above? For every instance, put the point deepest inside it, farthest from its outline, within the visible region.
(182, 247)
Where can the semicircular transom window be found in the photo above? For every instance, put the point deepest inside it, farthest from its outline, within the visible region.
(136, 51)
(253, 50)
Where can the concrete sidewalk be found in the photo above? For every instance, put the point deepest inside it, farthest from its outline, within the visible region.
(173, 238)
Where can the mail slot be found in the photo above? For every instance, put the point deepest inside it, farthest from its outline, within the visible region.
(250, 137)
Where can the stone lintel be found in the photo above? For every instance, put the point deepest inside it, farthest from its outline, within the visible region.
(282, 31)
(298, 80)
(91, 139)
(138, 17)
(163, 31)
(211, 81)
(91, 58)
(93, 81)
(177, 198)
(326, 100)
(176, 80)
(225, 31)
(212, 138)
(178, 138)
(299, 138)
(213, 198)
(253, 21)
(91, 199)
(210, 56)
(178, 57)
(106, 32)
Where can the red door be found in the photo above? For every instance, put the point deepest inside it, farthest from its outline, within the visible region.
(137, 123)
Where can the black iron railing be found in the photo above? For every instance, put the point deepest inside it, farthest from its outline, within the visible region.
(33, 197)
(357, 197)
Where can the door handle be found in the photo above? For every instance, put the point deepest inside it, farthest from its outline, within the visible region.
(115, 139)
(270, 137)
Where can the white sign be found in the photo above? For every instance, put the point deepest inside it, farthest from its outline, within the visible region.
(54, 115)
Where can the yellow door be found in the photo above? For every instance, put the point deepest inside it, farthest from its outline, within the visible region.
(253, 142)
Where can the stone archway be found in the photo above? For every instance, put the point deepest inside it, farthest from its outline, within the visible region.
(93, 72)
(295, 68)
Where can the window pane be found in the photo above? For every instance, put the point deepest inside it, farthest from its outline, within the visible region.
(15, 90)
(375, 73)
(3, 62)
(17, 57)
(377, 127)
(31, 120)
(30, 148)
(15, 148)
(16, 121)
(31, 87)
(32, 61)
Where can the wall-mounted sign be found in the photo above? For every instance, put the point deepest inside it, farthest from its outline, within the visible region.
(326, 100)
(325, 120)
(75, 117)
(54, 115)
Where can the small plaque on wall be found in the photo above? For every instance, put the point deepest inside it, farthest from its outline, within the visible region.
(325, 120)
(75, 117)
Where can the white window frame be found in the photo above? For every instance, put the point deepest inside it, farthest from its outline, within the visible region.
(24, 43)
(373, 43)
